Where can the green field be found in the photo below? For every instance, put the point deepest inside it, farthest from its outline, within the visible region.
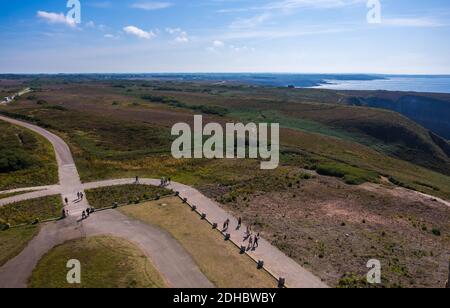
(125, 194)
(13, 241)
(26, 159)
(26, 212)
(113, 138)
(106, 262)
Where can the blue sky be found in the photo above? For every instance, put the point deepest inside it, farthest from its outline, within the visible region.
(307, 36)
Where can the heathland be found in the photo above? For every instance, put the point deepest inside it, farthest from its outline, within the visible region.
(346, 190)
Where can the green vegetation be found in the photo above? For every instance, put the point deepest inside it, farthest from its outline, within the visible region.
(31, 211)
(13, 241)
(26, 159)
(8, 195)
(351, 175)
(125, 194)
(205, 109)
(205, 245)
(106, 262)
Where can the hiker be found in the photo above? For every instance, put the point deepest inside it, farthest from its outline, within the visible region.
(137, 180)
(78, 195)
(256, 242)
(170, 181)
(239, 223)
(250, 242)
(82, 195)
(249, 230)
(66, 200)
(226, 224)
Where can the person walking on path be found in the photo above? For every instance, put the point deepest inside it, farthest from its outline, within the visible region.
(66, 201)
(137, 180)
(250, 243)
(239, 223)
(226, 224)
(256, 242)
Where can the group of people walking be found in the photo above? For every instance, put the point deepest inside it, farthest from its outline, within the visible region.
(80, 197)
(253, 240)
(87, 213)
(165, 182)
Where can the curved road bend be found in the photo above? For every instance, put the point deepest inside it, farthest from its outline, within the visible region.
(173, 262)
(275, 261)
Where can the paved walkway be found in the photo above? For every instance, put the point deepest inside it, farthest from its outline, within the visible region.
(171, 260)
(275, 261)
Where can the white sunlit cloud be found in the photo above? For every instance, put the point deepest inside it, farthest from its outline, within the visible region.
(151, 5)
(56, 18)
(135, 31)
(218, 44)
(181, 36)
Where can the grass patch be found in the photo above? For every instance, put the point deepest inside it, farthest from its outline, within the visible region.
(26, 212)
(205, 109)
(26, 159)
(125, 194)
(220, 261)
(106, 262)
(351, 175)
(9, 195)
(13, 241)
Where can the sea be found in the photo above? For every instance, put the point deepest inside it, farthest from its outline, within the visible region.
(410, 83)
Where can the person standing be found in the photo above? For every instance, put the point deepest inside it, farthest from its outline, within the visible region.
(239, 223)
(66, 200)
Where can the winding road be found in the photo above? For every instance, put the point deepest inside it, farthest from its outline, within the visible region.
(171, 260)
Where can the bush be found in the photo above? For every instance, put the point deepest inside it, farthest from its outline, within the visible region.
(351, 175)
(14, 160)
(436, 232)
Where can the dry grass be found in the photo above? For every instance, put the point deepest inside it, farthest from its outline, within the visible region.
(220, 261)
(106, 262)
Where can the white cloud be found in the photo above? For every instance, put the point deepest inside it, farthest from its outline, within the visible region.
(181, 36)
(111, 36)
(218, 44)
(151, 6)
(250, 22)
(419, 22)
(56, 18)
(287, 5)
(132, 30)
